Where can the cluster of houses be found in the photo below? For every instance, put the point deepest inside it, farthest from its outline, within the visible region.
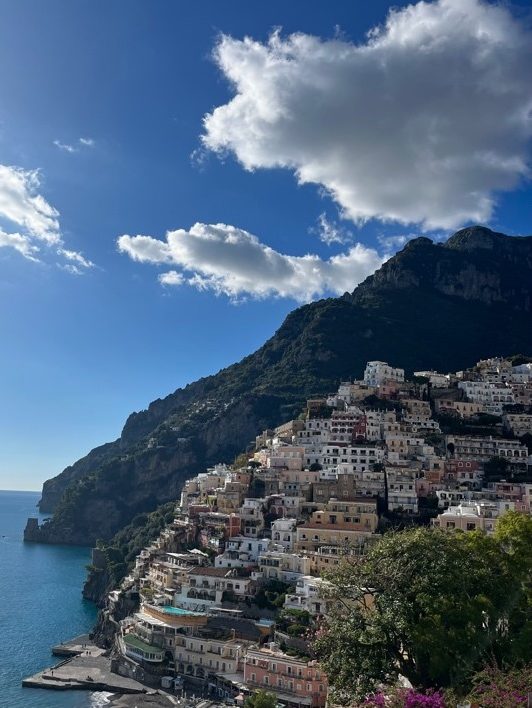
(231, 587)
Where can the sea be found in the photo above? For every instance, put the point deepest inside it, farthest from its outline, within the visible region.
(40, 605)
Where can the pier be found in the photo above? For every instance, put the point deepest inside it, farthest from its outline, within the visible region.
(85, 668)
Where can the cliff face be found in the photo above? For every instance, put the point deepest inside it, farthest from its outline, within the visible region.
(475, 264)
(432, 305)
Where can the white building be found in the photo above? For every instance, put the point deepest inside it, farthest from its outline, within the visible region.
(379, 424)
(205, 588)
(309, 596)
(353, 458)
(477, 448)
(493, 396)
(284, 533)
(518, 423)
(242, 552)
(436, 379)
(521, 373)
(472, 516)
(377, 372)
(402, 493)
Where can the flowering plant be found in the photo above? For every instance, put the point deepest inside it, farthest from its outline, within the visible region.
(502, 689)
(405, 698)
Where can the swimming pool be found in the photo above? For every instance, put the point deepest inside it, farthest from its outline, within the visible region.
(170, 610)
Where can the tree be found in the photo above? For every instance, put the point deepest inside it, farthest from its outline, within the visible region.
(496, 468)
(526, 439)
(426, 604)
(514, 534)
(241, 460)
(261, 699)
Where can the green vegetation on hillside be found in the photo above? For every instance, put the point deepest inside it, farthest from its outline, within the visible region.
(120, 552)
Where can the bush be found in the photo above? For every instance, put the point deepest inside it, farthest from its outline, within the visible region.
(296, 630)
(502, 689)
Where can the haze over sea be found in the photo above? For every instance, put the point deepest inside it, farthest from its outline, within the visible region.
(40, 605)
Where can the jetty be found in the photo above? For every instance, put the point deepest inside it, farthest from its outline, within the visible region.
(85, 668)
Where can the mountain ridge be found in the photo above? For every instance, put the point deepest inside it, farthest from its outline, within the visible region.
(451, 299)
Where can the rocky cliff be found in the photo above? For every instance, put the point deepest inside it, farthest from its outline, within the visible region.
(439, 306)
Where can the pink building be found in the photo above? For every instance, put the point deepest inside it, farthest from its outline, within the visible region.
(295, 681)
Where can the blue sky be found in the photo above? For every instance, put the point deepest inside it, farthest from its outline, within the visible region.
(102, 121)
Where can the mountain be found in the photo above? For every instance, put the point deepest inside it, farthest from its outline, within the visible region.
(441, 306)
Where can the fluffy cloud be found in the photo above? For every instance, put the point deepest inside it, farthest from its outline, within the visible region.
(172, 277)
(35, 220)
(422, 123)
(233, 262)
(22, 205)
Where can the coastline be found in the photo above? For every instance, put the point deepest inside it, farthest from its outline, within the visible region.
(85, 667)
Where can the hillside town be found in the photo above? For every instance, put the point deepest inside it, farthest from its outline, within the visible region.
(228, 596)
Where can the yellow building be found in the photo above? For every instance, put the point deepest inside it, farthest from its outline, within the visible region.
(338, 523)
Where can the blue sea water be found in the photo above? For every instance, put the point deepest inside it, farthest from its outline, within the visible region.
(40, 605)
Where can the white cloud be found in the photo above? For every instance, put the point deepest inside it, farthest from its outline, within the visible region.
(67, 147)
(78, 259)
(21, 204)
(394, 242)
(172, 277)
(331, 232)
(233, 262)
(423, 123)
(35, 220)
(20, 243)
(70, 268)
